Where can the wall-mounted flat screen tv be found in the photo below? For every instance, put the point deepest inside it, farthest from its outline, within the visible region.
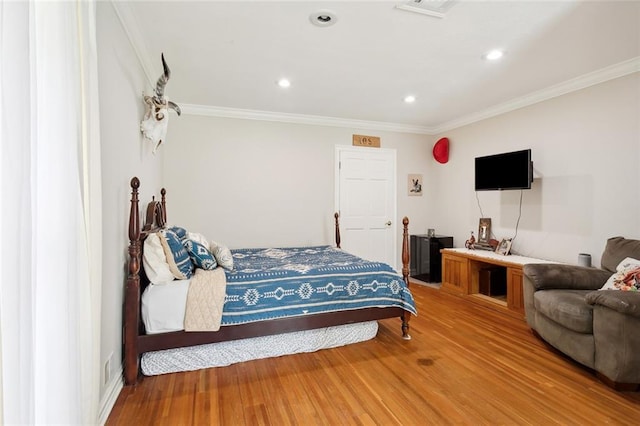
(509, 170)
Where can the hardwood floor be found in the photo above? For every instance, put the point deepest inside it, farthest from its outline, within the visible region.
(466, 364)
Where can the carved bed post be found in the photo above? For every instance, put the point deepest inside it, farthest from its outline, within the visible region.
(406, 258)
(163, 203)
(132, 291)
(337, 216)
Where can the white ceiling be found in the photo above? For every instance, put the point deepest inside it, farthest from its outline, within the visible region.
(226, 57)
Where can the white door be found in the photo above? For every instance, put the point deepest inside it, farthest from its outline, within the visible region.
(366, 201)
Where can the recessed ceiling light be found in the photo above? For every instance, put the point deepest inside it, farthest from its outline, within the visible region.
(323, 18)
(409, 99)
(493, 55)
(283, 82)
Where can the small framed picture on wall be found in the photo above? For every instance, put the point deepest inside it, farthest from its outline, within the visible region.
(415, 184)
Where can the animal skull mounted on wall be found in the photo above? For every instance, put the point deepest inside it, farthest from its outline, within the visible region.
(156, 116)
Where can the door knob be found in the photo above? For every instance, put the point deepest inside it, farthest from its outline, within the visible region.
(388, 223)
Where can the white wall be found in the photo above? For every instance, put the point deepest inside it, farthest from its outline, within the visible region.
(124, 155)
(254, 183)
(248, 183)
(586, 150)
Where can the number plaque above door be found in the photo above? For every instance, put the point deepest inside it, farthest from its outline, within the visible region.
(370, 141)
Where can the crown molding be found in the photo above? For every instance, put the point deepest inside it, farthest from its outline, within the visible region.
(316, 120)
(582, 82)
(129, 24)
(131, 28)
(600, 76)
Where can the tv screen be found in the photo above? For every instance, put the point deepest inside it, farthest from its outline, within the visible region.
(510, 170)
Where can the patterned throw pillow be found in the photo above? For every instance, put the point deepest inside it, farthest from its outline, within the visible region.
(626, 277)
(180, 232)
(222, 255)
(177, 256)
(200, 255)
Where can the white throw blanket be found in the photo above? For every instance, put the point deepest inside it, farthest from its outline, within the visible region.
(205, 300)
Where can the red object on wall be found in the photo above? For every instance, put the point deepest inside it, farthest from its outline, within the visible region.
(441, 150)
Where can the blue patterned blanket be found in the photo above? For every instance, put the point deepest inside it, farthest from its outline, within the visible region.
(283, 282)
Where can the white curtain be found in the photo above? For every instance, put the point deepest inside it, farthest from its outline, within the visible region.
(50, 214)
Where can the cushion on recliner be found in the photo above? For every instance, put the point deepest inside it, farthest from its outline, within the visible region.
(566, 307)
(616, 250)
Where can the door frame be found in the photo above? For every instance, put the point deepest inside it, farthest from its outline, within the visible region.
(394, 203)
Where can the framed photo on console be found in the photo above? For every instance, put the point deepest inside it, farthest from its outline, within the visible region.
(484, 231)
(504, 247)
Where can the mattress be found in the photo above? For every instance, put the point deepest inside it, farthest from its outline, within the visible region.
(275, 283)
(163, 306)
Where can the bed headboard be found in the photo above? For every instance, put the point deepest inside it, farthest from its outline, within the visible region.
(155, 219)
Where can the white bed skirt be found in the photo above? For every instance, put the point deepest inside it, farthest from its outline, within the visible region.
(227, 353)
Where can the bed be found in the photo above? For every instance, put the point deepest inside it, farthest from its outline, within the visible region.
(389, 293)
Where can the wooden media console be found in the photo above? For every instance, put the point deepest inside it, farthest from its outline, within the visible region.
(463, 270)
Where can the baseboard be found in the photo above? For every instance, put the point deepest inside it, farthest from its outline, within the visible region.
(417, 281)
(110, 396)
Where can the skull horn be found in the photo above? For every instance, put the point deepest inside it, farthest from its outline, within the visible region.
(162, 81)
(174, 107)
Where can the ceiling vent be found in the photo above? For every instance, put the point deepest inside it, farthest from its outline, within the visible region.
(435, 8)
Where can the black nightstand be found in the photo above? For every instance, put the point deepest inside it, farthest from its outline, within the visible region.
(426, 262)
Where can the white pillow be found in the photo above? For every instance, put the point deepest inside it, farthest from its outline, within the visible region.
(155, 262)
(198, 238)
(222, 254)
(626, 277)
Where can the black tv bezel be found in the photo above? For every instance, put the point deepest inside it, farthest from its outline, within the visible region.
(509, 187)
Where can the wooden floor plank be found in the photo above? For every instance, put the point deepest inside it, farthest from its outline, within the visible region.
(466, 364)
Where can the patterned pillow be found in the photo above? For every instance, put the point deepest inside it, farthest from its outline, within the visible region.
(180, 232)
(222, 255)
(200, 255)
(177, 256)
(626, 277)
(155, 262)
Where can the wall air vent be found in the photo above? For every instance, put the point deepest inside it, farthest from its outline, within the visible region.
(435, 8)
